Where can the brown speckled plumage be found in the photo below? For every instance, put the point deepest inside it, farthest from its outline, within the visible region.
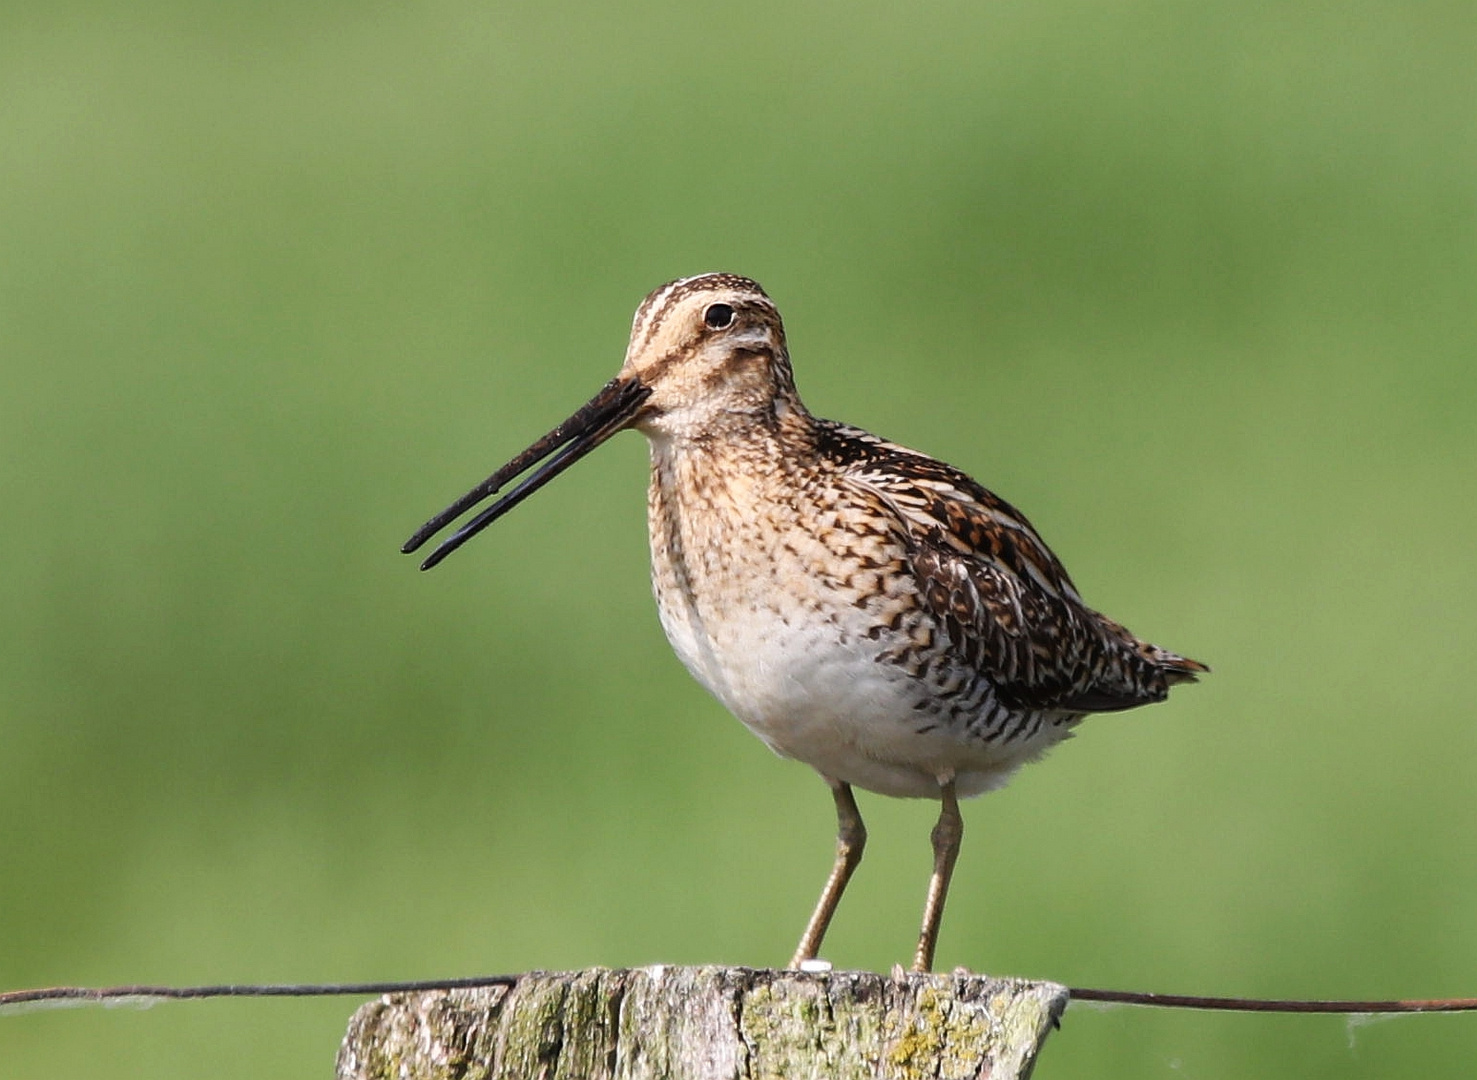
(860, 606)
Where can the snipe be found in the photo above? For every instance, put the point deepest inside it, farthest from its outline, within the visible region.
(860, 606)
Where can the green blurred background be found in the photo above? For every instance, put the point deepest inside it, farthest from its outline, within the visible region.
(1195, 285)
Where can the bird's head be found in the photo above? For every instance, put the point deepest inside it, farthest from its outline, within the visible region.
(707, 355)
(711, 352)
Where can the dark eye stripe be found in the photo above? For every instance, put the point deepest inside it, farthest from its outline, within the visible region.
(718, 316)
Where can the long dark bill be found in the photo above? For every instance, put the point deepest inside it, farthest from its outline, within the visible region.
(597, 420)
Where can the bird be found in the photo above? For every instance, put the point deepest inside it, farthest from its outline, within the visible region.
(860, 606)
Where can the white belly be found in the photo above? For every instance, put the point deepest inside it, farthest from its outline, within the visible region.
(815, 692)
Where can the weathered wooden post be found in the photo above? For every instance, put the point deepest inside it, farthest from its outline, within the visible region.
(707, 1023)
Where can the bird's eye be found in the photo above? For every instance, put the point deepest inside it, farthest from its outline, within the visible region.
(719, 316)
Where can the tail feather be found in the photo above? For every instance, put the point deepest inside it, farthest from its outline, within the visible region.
(1179, 669)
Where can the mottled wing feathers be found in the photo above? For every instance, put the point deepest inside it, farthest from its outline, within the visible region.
(1002, 596)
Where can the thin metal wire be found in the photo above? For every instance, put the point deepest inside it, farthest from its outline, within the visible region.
(81, 995)
(1272, 1005)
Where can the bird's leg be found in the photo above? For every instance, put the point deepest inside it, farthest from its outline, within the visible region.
(945, 836)
(851, 839)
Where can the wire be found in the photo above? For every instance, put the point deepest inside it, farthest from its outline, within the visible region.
(1272, 1005)
(83, 995)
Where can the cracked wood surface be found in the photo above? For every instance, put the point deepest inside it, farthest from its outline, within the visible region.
(675, 1023)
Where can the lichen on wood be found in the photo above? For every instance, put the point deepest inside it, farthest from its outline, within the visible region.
(709, 1023)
